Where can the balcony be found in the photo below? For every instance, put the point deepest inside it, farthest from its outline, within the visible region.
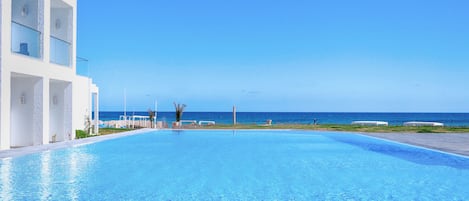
(60, 51)
(61, 33)
(25, 40)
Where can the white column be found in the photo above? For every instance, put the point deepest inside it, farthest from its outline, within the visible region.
(5, 108)
(45, 110)
(96, 113)
(74, 36)
(5, 74)
(41, 110)
(68, 113)
(45, 29)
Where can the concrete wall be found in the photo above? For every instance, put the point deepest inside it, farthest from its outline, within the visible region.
(61, 22)
(69, 106)
(26, 12)
(22, 110)
(1, 31)
(60, 111)
(35, 121)
(82, 102)
(58, 131)
(56, 108)
(40, 117)
(69, 130)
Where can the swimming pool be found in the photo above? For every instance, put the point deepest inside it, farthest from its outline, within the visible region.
(237, 165)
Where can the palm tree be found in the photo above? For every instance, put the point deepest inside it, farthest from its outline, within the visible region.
(179, 110)
(151, 114)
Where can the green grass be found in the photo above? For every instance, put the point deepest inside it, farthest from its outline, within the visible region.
(352, 128)
(107, 131)
(102, 131)
(81, 134)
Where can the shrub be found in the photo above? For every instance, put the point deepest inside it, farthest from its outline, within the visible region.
(81, 134)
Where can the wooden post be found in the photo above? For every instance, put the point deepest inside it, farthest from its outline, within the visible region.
(234, 115)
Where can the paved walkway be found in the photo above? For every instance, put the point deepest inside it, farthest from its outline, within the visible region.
(457, 143)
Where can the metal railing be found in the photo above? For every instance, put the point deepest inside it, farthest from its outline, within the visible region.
(82, 67)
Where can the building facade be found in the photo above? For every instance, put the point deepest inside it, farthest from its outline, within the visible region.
(42, 98)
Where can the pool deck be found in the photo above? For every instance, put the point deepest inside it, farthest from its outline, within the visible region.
(456, 143)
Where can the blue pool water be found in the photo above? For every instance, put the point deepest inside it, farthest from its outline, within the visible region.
(237, 165)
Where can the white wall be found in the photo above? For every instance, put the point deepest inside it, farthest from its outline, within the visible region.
(39, 93)
(1, 16)
(32, 122)
(1, 33)
(56, 114)
(61, 23)
(60, 111)
(69, 132)
(81, 102)
(28, 18)
(22, 121)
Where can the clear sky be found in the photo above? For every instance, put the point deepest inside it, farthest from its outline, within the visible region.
(278, 55)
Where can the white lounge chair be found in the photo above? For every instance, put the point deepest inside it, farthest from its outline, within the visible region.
(208, 123)
(370, 123)
(422, 123)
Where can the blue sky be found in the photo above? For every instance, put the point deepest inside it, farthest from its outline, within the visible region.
(278, 55)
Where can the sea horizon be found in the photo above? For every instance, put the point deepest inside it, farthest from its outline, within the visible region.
(393, 118)
(294, 112)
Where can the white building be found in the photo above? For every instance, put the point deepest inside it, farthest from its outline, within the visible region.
(42, 98)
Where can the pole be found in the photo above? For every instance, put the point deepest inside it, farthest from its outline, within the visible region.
(125, 107)
(234, 115)
(156, 109)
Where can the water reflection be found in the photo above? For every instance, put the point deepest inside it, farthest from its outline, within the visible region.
(5, 171)
(75, 159)
(45, 176)
(51, 175)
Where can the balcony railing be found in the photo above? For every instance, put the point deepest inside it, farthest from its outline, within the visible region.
(60, 51)
(82, 67)
(25, 40)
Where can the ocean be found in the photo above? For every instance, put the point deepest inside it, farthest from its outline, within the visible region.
(449, 119)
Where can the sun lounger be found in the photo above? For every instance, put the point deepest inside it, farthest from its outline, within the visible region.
(190, 122)
(208, 123)
(370, 123)
(422, 123)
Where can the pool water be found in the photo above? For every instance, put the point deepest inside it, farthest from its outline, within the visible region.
(237, 165)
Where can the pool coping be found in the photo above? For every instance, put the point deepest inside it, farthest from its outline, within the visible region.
(432, 149)
(450, 143)
(16, 152)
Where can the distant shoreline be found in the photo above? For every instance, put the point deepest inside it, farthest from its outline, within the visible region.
(346, 128)
(130, 112)
(344, 118)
